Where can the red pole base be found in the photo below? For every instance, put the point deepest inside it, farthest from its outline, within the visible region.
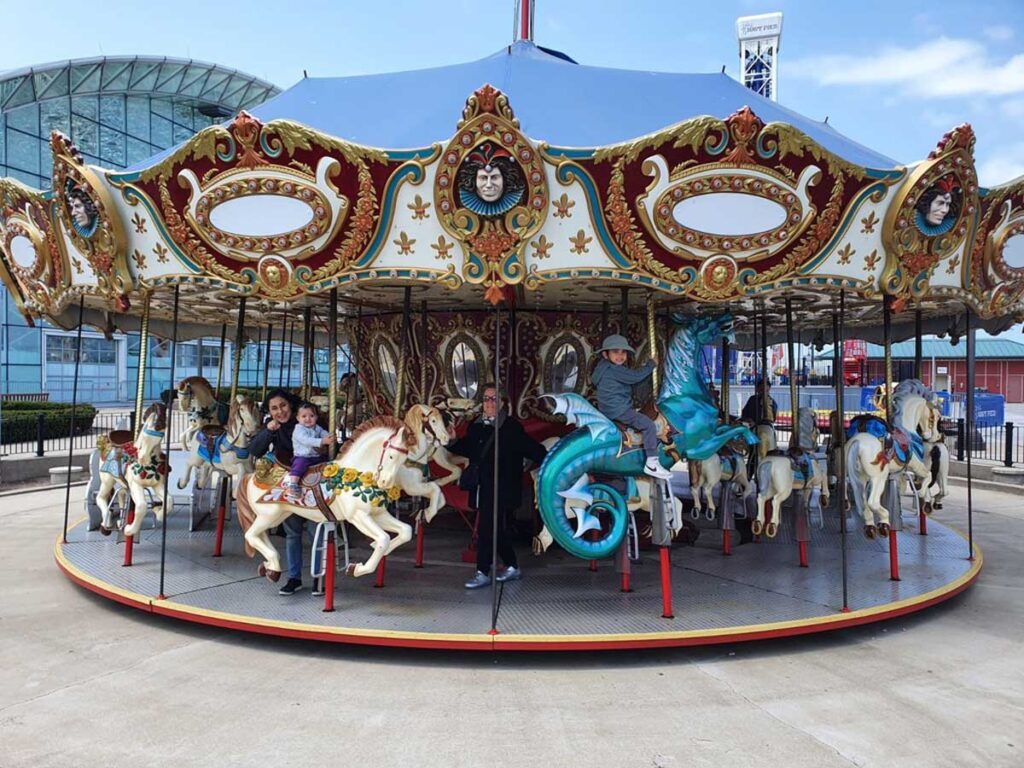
(922, 523)
(666, 585)
(329, 576)
(421, 532)
(727, 542)
(625, 583)
(493, 632)
(592, 535)
(129, 541)
(894, 557)
(380, 572)
(218, 542)
(803, 553)
(846, 609)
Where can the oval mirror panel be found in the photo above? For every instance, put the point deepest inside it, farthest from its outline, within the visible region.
(22, 251)
(261, 215)
(729, 213)
(565, 369)
(388, 368)
(464, 370)
(1013, 252)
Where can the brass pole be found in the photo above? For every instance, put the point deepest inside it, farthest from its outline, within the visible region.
(403, 353)
(423, 353)
(307, 351)
(266, 363)
(766, 398)
(793, 403)
(332, 368)
(725, 379)
(887, 334)
(220, 356)
(918, 346)
(239, 344)
(652, 342)
(140, 387)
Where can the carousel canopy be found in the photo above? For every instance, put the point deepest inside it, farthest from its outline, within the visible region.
(556, 100)
(527, 179)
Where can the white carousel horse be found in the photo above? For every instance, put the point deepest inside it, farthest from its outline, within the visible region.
(224, 450)
(870, 461)
(731, 465)
(196, 397)
(356, 488)
(918, 469)
(425, 425)
(137, 466)
(776, 479)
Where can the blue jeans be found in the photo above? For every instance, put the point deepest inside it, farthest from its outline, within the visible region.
(293, 528)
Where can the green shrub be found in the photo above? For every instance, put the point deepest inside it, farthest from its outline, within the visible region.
(18, 420)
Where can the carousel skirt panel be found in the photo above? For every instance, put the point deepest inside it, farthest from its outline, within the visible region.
(760, 592)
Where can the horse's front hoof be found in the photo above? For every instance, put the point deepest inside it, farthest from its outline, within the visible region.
(869, 531)
(937, 506)
(883, 530)
(104, 530)
(351, 570)
(274, 576)
(770, 530)
(756, 528)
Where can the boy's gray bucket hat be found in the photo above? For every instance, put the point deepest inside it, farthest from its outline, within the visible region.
(615, 341)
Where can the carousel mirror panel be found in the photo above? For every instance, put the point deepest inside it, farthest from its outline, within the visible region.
(464, 360)
(563, 366)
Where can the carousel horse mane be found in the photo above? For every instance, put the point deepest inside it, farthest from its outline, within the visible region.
(196, 382)
(415, 417)
(807, 423)
(161, 416)
(235, 412)
(376, 422)
(682, 365)
(915, 387)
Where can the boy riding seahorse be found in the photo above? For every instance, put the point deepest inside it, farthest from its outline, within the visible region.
(614, 381)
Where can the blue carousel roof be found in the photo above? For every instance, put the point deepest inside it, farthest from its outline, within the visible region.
(555, 99)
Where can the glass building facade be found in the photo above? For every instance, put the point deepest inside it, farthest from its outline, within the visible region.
(118, 111)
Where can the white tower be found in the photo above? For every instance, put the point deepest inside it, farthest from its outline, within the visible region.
(759, 38)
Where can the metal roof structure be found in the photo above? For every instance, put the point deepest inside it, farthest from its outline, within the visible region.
(180, 79)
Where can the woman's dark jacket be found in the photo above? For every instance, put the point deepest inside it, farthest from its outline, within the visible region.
(279, 441)
(514, 446)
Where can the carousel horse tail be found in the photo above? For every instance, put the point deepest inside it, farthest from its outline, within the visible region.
(764, 477)
(246, 515)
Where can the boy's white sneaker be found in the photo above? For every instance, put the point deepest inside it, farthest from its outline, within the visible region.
(654, 469)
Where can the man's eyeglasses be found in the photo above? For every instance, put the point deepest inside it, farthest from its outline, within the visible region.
(490, 399)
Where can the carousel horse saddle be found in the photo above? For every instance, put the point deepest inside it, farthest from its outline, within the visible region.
(120, 437)
(628, 436)
(312, 494)
(211, 432)
(801, 462)
(869, 423)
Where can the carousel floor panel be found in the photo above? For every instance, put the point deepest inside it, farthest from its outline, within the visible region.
(758, 592)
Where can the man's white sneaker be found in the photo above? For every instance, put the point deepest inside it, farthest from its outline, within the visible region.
(654, 469)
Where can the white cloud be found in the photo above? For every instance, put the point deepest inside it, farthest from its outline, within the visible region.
(1006, 164)
(941, 67)
(1013, 108)
(999, 32)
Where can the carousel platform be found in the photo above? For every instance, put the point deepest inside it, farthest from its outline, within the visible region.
(756, 593)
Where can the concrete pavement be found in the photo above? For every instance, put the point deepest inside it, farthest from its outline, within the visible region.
(84, 682)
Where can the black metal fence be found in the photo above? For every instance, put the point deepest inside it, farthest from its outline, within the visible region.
(1002, 443)
(32, 438)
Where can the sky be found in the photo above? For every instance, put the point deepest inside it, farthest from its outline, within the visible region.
(890, 74)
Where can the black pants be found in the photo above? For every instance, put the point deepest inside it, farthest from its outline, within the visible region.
(485, 532)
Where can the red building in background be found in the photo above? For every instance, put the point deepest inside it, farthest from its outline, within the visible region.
(999, 366)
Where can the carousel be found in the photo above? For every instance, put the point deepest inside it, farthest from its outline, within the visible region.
(488, 225)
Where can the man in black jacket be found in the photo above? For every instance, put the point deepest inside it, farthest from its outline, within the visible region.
(514, 445)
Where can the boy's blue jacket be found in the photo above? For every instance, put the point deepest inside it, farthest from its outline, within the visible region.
(615, 386)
